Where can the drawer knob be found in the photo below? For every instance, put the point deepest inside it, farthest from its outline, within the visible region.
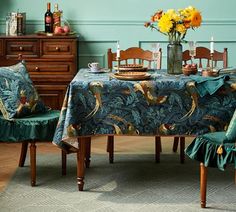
(58, 48)
(36, 68)
(20, 56)
(21, 48)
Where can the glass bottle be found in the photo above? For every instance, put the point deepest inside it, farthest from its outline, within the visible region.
(56, 17)
(48, 19)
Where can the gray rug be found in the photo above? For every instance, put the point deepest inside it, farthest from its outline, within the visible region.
(132, 183)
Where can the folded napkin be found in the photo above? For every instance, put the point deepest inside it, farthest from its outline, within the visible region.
(208, 85)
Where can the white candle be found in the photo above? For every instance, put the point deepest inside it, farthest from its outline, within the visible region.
(212, 45)
(118, 49)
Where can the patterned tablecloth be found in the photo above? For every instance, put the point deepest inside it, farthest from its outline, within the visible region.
(97, 104)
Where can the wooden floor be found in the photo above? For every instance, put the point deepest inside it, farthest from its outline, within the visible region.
(9, 153)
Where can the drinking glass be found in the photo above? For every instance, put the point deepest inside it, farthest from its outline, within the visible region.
(192, 49)
(155, 54)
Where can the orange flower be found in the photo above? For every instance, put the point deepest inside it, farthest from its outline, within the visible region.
(196, 19)
(187, 23)
(147, 24)
(157, 16)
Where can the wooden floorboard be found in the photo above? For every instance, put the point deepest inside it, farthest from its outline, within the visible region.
(10, 152)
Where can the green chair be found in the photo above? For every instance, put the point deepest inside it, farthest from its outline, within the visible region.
(213, 150)
(31, 129)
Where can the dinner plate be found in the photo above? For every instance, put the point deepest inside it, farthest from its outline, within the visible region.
(99, 71)
(131, 67)
(131, 77)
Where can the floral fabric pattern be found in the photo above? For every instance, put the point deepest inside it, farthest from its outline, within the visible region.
(96, 104)
(18, 96)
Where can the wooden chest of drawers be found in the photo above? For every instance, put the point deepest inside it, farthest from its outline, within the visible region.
(51, 62)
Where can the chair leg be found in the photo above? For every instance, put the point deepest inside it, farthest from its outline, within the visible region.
(33, 163)
(235, 176)
(158, 148)
(24, 147)
(175, 144)
(63, 162)
(182, 147)
(88, 152)
(203, 184)
(110, 148)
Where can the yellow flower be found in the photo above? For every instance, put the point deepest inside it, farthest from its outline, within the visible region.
(175, 23)
(181, 28)
(165, 24)
(173, 15)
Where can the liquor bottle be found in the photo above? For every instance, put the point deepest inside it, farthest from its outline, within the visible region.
(48, 19)
(56, 17)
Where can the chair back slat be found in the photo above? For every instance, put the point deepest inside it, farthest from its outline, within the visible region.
(203, 53)
(137, 55)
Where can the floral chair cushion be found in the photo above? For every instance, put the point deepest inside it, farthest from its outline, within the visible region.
(18, 96)
(231, 132)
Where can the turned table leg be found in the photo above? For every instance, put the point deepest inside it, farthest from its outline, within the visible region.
(88, 152)
(63, 162)
(80, 163)
(203, 184)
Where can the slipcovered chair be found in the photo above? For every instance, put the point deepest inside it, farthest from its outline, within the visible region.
(213, 150)
(36, 128)
(202, 55)
(23, 116)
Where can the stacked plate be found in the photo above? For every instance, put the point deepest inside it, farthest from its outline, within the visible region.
(132, 75)
(131, 67)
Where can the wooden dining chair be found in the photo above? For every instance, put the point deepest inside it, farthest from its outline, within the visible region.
(134, 55)
(203, 53)
(214, 150)
(203, 56)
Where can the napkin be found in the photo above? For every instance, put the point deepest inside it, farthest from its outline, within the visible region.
(208, 85)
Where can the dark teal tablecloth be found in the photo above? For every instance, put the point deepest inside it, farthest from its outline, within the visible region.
(96, 104)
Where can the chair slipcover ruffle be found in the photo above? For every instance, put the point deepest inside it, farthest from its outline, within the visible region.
(204, 149)
(36, 127)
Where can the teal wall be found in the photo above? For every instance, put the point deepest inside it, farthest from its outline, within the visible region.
(101, 23)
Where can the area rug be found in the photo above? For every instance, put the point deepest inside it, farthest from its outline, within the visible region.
(132, 183)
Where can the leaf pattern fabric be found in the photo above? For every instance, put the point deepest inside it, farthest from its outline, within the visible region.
(96, 104)
(18, 96)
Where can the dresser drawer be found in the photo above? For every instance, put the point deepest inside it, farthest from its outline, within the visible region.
(51, 68)
(58, 49)
(22, 48)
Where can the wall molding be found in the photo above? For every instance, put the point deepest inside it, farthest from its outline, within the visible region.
(214, 22)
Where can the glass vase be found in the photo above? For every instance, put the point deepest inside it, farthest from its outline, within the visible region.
(174, 58)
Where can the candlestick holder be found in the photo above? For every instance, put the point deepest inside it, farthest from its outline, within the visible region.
(118, 64)
(212, 54)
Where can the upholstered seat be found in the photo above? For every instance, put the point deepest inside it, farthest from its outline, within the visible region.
(213, 150)
(31, 129)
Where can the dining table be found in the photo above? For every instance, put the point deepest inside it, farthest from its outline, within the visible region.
(99, 103)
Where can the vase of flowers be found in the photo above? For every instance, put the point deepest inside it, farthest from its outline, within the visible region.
(175, 24)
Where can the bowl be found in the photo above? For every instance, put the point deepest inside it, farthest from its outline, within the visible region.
(189, 71)
(210, 73)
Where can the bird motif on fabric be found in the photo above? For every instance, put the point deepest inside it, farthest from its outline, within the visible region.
(165, 129)
(96, 89)
(129, 127)
(148, 91)
(192, 90)
(72, 130)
